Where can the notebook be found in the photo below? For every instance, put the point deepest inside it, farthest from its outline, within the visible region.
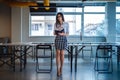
(57, 31)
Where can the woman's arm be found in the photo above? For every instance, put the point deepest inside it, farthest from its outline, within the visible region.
(54, 29)
(66, 28)
(63, 34)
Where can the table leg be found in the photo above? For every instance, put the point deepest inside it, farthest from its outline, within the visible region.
(77, 51)
(71, 50)
(76, 48)
(13, 60)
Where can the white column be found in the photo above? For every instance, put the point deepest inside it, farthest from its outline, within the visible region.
(16, 24)
(111, 21)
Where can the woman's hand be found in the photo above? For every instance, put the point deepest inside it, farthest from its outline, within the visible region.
(61, 34)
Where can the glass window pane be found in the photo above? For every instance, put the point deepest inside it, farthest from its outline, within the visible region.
(78, 9)
(118, 24)
(44, 25)
(69, 9)
(94, 9)
(94, 25)
(74, 24)
(117, 9)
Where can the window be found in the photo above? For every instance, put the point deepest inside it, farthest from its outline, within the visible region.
(94, 24)
(88, 19)
(74, 24)
(44, 25)
(118, 21)
(94, 9)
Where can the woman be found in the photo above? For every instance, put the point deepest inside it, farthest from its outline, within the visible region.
(61, 30)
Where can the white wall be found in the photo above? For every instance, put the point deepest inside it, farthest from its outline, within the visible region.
(16, 23)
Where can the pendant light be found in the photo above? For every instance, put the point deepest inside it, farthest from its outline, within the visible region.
(46, 4)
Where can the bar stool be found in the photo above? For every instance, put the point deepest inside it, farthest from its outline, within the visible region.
(103, 59)
(40, 55)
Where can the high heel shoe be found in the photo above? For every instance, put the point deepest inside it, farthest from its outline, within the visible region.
(58, 73)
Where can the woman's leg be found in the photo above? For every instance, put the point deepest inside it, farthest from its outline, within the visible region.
(58, 61)
(61, 60)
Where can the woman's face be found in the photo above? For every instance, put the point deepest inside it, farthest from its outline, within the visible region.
(59, 17)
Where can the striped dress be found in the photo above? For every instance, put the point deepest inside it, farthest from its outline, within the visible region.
(61, 41)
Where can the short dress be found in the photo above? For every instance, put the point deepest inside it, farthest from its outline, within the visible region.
(61, 41)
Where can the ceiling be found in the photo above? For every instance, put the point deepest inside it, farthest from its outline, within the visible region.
(62, 1)
(67, 3)
(70, 1)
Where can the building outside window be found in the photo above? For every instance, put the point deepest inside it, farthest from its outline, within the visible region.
(94, 21)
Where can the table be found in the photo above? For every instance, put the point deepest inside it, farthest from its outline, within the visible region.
(24, 46)
(93, 44)
(19, 48)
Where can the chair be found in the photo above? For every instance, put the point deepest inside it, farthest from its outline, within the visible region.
(42, 56)
(118, 55)
(6, 56)
(103, 59)
(87, 50)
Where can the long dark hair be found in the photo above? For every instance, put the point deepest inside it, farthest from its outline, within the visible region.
(61, 14)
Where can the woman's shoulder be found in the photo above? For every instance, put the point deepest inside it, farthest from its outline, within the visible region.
(66, 24)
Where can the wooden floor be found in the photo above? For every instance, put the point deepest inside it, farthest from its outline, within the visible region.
(85, 71)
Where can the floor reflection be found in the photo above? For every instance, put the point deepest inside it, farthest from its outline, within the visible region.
(85, 71)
